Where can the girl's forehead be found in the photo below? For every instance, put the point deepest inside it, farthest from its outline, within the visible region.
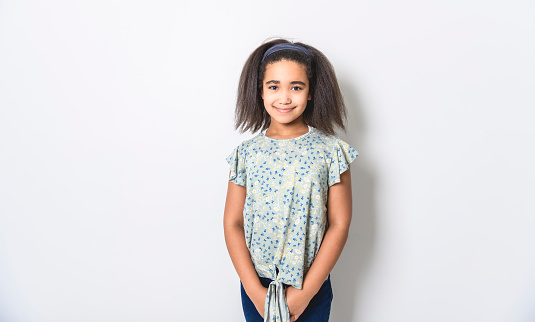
(285, 68)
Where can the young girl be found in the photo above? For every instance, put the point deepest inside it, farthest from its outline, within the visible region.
(288, 205)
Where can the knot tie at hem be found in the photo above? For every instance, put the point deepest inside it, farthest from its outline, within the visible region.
(276, 307)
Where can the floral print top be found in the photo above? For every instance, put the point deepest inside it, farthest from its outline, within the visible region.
(285, 210)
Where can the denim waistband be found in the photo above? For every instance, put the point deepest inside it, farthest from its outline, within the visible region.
(265, 281)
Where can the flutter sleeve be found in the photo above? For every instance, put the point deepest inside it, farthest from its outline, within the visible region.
(342, 155)
(236, 161)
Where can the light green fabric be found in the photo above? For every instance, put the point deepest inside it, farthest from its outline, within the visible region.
(285, 210)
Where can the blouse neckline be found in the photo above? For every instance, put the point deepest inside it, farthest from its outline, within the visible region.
(310, 130)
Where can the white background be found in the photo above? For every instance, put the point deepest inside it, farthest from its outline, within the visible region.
(116, 118)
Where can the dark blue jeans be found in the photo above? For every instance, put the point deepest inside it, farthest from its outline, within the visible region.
(318, 309)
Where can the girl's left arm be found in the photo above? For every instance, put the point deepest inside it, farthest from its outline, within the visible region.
(339, 212)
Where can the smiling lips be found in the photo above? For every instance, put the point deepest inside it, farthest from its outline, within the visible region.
(284, 110)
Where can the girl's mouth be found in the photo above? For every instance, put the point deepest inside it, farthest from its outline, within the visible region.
(284, 110)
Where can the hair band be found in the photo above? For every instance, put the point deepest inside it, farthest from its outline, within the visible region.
(285, 46)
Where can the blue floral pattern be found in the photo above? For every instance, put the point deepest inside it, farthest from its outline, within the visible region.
(285, 211)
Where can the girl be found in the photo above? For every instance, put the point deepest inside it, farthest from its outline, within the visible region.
(288, 205)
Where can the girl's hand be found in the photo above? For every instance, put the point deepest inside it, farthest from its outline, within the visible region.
(259, 300)
(297, 301)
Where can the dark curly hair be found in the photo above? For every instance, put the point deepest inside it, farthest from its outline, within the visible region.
(326, 108)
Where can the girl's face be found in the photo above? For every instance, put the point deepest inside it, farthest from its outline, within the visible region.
(285, 91)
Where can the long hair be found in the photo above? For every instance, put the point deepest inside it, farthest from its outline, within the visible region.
(326, 108)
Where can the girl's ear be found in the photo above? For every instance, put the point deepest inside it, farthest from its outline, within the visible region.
(309, 96)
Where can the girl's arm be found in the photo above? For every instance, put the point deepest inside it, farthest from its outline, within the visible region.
(339, 211)
(239, 254)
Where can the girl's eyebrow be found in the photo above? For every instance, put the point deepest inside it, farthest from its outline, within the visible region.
(293, 83)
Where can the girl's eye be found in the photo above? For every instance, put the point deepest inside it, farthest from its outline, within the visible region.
(272, 87)
(296, 88)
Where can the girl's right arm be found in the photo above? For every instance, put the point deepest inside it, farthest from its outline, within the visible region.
(238, 251)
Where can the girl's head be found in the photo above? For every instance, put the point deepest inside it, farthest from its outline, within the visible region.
(323, 105)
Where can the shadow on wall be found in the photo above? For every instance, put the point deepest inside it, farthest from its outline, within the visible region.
(351, 270)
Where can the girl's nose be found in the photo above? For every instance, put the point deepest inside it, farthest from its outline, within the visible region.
(284, 98)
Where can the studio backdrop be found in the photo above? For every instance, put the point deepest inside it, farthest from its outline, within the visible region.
(116, 118)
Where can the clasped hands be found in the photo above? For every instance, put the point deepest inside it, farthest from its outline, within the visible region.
(296, 299)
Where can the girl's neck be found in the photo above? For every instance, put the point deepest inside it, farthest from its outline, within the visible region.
(283, 133)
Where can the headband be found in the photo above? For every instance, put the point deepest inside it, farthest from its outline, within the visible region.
(286, 46)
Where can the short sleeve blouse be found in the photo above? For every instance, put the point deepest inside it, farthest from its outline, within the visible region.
(285, 210)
